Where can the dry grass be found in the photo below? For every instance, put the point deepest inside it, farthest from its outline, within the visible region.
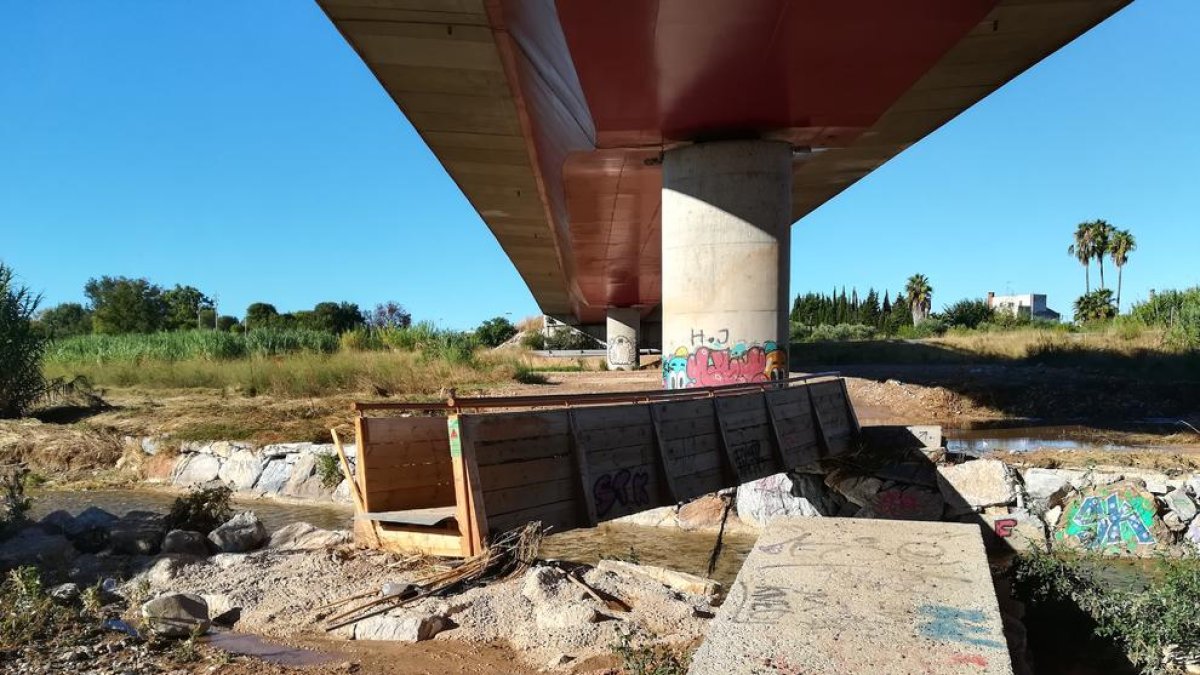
(1033, 343)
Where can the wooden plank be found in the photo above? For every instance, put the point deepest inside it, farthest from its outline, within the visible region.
(583, 474)
(523, 450)
(700, 484)
(833, 420)
(624, 476)
(515, 426)
(360, 505)
(499, 476)
(462, 491)
(404, 498)
(476, 509)
(660, 453)
(791, 412)
(524, 497)
(746, 431)
(410, 475)
(385, 430)
(559, 517)
(424, 517)
(409, 452)
(430, 541)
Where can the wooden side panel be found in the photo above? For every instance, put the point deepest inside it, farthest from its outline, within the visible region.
(792, 412)
(832, 410)
(526, 468)
(691, 445)
(749, 437)
(405, 463)
(621, 453)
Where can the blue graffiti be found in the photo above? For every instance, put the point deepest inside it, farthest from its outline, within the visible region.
(1105, 518)
(950, 624)
(675, 371)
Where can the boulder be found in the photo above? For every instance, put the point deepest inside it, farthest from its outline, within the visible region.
(304, 537)
(176, 614)
(975, 484)
(679, 581)
(1051, 517)
(1173, 522)
(1193, 533)
(185, 542)
(407, 627)
(305, 480)
(138, 533)
(905, 503)
(1045, 488)
(1115, 519)
(196, 469)
(34, 546)
(274, 476)
(858, 490)
(1017, 530)
(222, 610)
(762, 500)
(57, 522)
(241, 470)
(89, 531)
(241, 533)
(1179, 503)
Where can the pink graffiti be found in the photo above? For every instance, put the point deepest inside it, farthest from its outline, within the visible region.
(1004, 527)
(714, 367)
(896, 503)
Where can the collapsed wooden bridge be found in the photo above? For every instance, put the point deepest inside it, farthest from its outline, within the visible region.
(444, 477)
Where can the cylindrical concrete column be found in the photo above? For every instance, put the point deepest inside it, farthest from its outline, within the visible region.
(622, 338)
(726, 229)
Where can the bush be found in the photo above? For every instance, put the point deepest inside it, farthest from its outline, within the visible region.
(534, 340)
(29, 615)
(650, 659)
(968, 313)
(1176, 311)
(495, 332)
(1095, 306)
(201, 510)
(21, 348)
(567, 339)
(329, 468)
(187, 345)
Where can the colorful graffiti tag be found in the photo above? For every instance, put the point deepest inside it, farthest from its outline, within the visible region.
(622, 353)
(1112, 519)
(711, 367)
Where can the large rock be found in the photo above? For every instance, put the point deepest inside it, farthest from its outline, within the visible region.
(976, 484)
(1017, 530)
(185, 542)
(241, 533)
(1180, 504)
(241, 470)
(196, 469)
(275, 476)
(138, 533)
(760, 501)
(1045, 488)
(679, 581)
(176, 614)
(57, 522)
(304, 537)
(35, 546)
(1116, 519)
(858, 490)
(305, 481)
(407, 627)
(905, 503)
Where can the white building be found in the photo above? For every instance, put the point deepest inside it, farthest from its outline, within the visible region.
(1030, 304)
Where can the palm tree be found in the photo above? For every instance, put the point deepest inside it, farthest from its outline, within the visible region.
(1120, 246)
(1102, 234)
(1082, 249)
(920, 297)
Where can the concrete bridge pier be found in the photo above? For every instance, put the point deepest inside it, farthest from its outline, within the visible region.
(622, 337)
(726, 228)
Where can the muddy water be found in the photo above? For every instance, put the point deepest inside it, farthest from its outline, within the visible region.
(676, 549)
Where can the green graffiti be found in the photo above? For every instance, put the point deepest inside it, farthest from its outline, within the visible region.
(1110, 521)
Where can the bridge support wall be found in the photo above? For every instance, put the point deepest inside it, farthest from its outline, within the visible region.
(622, 338)
(726, 228)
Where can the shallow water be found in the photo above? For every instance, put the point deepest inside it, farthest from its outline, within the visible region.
(676, 549)
(1027, 439)
(283, 655)
(119, 502)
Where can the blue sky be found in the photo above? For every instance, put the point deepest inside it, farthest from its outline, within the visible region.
(244, 148)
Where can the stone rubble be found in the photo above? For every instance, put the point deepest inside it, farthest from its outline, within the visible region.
(243, 532)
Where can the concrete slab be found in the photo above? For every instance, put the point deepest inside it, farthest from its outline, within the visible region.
(834, 595)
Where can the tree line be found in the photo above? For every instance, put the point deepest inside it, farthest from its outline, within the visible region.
(890, 315)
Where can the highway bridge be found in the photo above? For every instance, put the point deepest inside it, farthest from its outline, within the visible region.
(641, 162)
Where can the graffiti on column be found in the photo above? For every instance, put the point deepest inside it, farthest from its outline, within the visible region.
(621, 352)
(711, 361)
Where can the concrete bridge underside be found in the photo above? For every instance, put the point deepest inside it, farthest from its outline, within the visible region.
(579, 131)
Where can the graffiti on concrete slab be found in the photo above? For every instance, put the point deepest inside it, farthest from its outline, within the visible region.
(624, 487)
(1004, 527)
(622, 353)
(952, 624)
(706, 366)
(1111, 518)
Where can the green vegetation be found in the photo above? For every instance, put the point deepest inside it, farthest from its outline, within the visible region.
(1176, 312)
(21, 347)
(329, 468)
(1145, 623)
(1097, 305)
(919, 294)
(650, 659)
(495, 332)
(187, 345)
(559, 340)
(201, 510)
(1096, 240)
(30, 615)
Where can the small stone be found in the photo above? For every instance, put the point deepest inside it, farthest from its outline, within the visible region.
(185, 542)
(1173, 522)
(64, 594)
(404, 628)
(559, 661)
(975, 484)
(241, 533)
(176, 614)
